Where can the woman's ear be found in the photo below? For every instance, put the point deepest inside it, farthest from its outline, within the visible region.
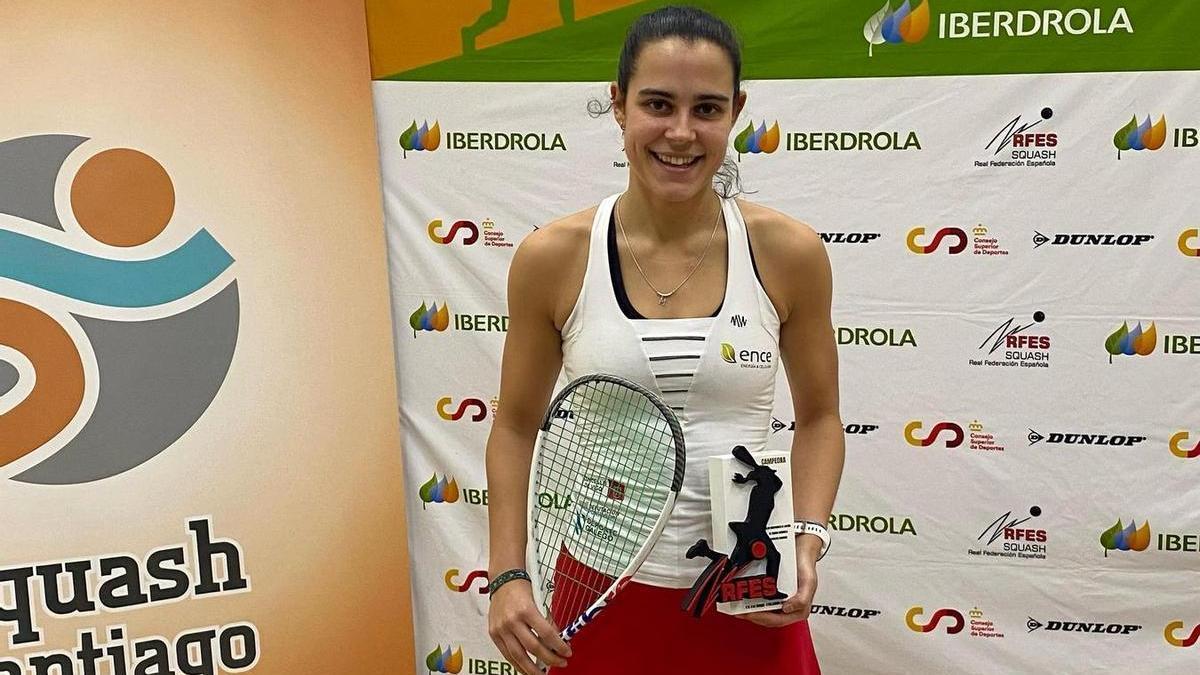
(618, 104)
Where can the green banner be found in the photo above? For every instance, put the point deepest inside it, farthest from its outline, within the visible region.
(796, 39)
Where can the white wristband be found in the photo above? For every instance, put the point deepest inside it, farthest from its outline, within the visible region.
(811, 527)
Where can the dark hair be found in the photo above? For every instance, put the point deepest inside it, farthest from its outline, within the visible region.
(690, 24)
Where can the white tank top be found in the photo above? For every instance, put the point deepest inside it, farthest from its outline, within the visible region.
(717, 373)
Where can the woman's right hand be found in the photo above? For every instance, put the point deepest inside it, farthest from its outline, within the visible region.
(519, 629)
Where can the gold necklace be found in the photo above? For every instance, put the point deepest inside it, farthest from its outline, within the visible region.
(662, 297)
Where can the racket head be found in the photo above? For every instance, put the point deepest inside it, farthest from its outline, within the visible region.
(616, 452)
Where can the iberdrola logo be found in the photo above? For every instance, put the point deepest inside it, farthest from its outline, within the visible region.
(436, 490)
(1144, 136)
(754, 141)
(430, 318)
(1131, 342)
(444, 661)
(424, 137)
(904, 25)
(1120, 537)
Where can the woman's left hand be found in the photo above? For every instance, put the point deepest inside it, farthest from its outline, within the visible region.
(799, 604)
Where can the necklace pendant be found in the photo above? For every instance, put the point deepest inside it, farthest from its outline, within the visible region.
(662, 299)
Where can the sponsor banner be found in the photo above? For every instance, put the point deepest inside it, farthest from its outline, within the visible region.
(858, 38)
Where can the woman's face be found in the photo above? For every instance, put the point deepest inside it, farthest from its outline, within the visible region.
(677, 115)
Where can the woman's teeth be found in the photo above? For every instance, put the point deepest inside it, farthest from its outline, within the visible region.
(674, 160)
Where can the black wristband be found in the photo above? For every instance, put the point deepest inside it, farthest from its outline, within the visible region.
(505, 577)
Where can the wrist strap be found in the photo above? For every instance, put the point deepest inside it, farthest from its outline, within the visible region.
(812, 527)
(505, 577)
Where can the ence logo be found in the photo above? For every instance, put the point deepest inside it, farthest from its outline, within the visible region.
(438, 491)
(755, 141)
(956, 233)
(470, 228)
(1144, 136)
(1174, 627)
(952, 616)
(479, 410)
(904, 25)
(423, 138)
(1131, 342)
(950, 429)
(746, 358)
(1125, 538)
(98, 348)
(444, 661)
(1186, 246)
(454, 585)
(1178, 449)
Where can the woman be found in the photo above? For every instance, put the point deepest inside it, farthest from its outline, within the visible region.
(648, 285)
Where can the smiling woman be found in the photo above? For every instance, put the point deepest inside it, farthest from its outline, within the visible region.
(649, 286)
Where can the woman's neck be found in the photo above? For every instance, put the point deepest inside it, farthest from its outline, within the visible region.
(664, 221)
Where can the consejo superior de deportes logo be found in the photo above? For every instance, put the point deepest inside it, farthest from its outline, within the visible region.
(97, 354)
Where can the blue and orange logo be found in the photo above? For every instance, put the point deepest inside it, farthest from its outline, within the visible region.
(1134, 342)
(1120, 537)
(98, 331)
(1178, 449)
(478, 414)
(421, 138)
(1186, 246)
(444, 661)
(1144, 136)
(471, 229)
(944, 614)
(453, 584)
(903, 25)
(953, 430)
(754, 141)
(956, 233)
(430, 318)
(436, 490)
(1176, 626)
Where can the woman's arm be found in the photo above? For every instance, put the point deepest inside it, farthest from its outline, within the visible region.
(797, 276)
(544, 266)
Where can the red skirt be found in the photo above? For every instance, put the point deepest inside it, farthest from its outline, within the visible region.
(643, 631)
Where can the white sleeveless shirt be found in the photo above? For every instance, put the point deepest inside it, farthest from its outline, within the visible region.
(716, 373)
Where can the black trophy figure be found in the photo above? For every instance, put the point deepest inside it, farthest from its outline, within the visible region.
(752, 541)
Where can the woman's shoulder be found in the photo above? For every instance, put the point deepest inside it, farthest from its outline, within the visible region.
(790, 255)
(550, 262)
(780, 233)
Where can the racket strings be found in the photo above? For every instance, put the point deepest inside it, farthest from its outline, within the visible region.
(612, 452)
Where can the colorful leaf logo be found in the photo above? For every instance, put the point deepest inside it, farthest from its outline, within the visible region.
(905, 25)
(420, 138)
(1131, 342)
(439, 491)
(727, 353)
(430, 318)
(444, 661)
(754, 141)
(1144, 136)
(1120, 537)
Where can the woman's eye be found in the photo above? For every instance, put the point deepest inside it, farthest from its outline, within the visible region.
(657, 105)
(707, 109)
